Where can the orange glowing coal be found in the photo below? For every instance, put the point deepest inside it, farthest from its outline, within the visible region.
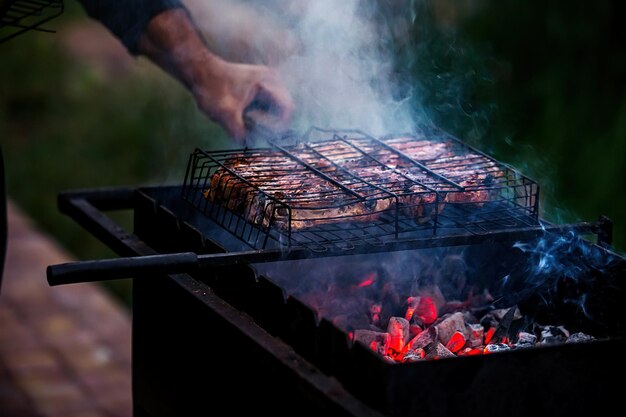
(425, 310)
(369, 280)
(489, 335)
(408, 325)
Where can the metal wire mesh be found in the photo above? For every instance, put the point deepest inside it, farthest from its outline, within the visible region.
(20, 16)
(350, 189)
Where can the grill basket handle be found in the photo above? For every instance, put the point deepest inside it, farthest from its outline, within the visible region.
(110, 269)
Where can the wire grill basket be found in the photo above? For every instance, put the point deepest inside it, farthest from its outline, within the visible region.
(343, 189)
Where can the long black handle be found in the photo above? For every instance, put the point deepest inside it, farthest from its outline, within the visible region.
(109, 269)
(86, 207)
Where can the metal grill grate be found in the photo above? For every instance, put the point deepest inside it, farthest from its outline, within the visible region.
(19, 16)
(350, 189)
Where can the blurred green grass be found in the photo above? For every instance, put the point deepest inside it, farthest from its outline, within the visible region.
(538, 86)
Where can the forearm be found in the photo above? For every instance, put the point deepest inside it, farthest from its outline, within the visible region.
(128, 19)
(172, 42)
(164, 32)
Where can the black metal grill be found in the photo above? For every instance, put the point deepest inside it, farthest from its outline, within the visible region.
(350, 189)
(20, 16)
(240, 322)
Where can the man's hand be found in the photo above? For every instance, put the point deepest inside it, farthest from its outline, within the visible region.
(223, 90)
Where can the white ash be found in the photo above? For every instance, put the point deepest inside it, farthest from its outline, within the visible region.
(414, 355)
(372, 339)
(497, 347)
(424, 339)
(438, 351)
(449, 325)
(476, 335)
(525, 339)
(580, 338)
(551, 335)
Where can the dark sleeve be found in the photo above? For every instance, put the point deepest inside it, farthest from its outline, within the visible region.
(127, 19)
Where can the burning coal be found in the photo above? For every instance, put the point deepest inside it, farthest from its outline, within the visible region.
(438, 303)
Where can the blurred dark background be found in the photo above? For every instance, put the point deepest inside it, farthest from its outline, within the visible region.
(539, 85)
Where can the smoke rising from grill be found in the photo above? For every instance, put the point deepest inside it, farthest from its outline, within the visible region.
(555, 264)
(333, 56)
(336, 61)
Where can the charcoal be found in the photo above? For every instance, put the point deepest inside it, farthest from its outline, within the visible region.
(525, 340)
(412, 303)
(456, 342)
(488, 321)
(476, 335)
(500, 313)
(468, 351)
(552, 340)
(438, 351)
(414, 330)
(563, 331)
(551, 335)
(375, 328)
(489, 335)
(496, 347)
(431, 294)
(375, 311)
(426, 311)
(424, 339)
(398, 329)
(579, 338)
(377, 341)
(469, 317)
(448, 326)
(414, 355)
(504, 326)
(389, 359)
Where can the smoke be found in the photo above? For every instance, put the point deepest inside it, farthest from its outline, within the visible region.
(344, 289)
(335, 57)
(564, 269)
(342, 77)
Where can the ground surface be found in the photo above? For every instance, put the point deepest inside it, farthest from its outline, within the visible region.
(64, 351)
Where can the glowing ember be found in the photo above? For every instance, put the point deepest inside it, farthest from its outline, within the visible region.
(471, 351)
(376, 341)
(412, 302)
(415, 320)
(424, 339)
(451, 336)
(369, 280)
(375, 310)
(426, 311)
(414, 330)
(456, 342)
(489, 335)
(398, 330)
(477, 333)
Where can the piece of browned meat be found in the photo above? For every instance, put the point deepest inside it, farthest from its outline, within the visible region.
(351, 180)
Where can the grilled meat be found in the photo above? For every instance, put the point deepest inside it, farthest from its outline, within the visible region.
(351, 179)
